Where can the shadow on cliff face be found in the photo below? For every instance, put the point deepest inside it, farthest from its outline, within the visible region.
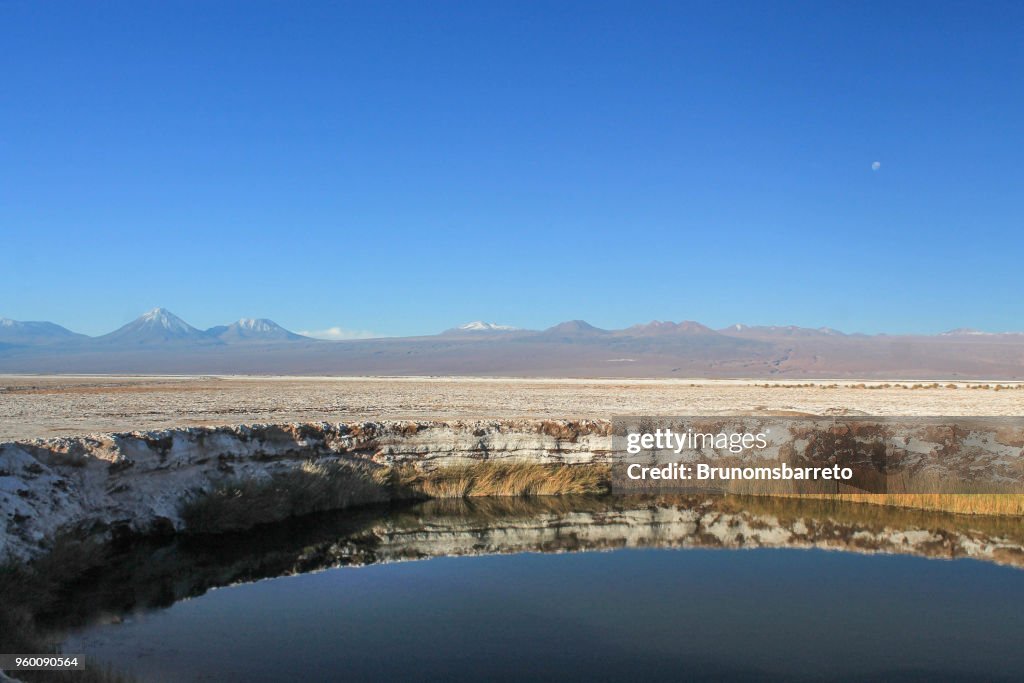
(311, 487)
(322, 486)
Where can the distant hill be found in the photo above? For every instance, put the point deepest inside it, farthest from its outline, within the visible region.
(657, 328)
(160, 342)
(18, 333)
(755, 331)
(971, 332)
(254, 330)
(572, 330)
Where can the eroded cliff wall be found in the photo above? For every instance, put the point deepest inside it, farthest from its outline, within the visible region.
(138, 481)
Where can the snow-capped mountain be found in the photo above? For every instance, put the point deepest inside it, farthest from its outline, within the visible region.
(481, 326)
(253, 330)
(156, 326)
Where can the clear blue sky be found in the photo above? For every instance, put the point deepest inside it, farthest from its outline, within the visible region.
(401, 167)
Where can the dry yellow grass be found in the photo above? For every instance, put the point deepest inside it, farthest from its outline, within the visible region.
(941, 496)
(507, 479)
(322, 486)
(957, 503)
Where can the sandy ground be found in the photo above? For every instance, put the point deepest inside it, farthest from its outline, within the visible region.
(34, 406)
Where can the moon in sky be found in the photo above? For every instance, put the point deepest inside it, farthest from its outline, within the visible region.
(875, 165)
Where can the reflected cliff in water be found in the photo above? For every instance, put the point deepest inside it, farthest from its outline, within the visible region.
(157, 574)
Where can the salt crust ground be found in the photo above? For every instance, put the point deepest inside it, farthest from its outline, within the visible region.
(36, 406)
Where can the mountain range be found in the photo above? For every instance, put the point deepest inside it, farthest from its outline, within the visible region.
(161, 342)
(156, 327)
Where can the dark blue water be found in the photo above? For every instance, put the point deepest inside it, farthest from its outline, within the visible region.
(624, 615)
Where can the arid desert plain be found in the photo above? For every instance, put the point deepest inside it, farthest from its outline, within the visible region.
(43, 406)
